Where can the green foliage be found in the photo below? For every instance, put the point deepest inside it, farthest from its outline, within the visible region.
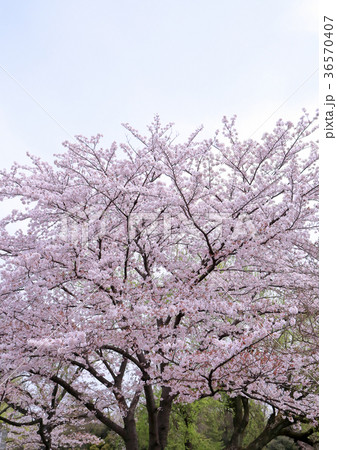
(206, 424)
(203, 425)
(281, 443)
(192, 428)
(142, 427)
(194, 425)
(256, 424)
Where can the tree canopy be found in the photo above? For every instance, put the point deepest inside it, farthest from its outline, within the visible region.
(184, 269)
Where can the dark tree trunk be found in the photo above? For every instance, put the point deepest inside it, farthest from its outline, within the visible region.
(152, 414)
(164, 416)
(159, 418)
(240, 421)
(131, 438)
(187, 419)
(274, 428)
(45, 434)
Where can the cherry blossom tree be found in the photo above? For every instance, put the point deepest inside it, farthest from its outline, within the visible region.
(169, 270)
(40, 414)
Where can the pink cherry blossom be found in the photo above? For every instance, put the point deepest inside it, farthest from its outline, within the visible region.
(180, 268)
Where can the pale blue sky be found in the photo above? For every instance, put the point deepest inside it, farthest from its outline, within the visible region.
(95, 64)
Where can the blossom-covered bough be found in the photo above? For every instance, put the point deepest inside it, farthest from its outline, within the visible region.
(178, 270)
(40, 414)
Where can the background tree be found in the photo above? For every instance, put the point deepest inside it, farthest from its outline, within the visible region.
(180, 269)
(39, 414)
